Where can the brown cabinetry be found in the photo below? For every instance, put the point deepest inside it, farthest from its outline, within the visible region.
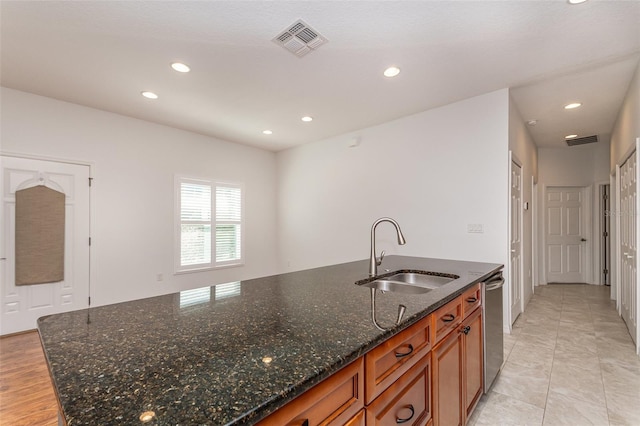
(473, 360)
(458, 359)
(471, 300)
(448, 381)
(429, 374)
(392, 358)
(335, 401)
(407, 401)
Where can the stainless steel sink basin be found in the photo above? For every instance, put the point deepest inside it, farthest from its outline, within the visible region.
(409, 282)
(422, 280)
(396, 287)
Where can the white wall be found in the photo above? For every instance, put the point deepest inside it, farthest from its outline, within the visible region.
(434, 172)
(581, 165)
(134, 163)
(623, 137)
(526, 151)
(627, 127)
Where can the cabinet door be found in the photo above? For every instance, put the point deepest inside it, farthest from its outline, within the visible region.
(473, 371)
(447, 359)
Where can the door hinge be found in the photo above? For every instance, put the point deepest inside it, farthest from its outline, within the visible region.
(605, 271)
(89, 301)
(89, 240)
(90, 181)
(605, 197)
(605, 234)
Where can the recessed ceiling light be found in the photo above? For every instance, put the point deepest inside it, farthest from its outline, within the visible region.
(267, 132)
(575, 1)
(391, 72)
(180, 67)
(572, 105)
(571, 136)
(306, 119)
(149, 95)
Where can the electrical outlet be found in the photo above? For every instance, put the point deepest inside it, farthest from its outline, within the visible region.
(475, 228)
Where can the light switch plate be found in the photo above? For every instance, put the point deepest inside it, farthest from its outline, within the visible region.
(475, 228)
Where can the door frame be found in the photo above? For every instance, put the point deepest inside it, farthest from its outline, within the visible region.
(633, 148)
(587, 225)
(507, 288)
(601, 249)
(91, 166)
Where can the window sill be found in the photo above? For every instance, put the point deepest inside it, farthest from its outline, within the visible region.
(209, 268)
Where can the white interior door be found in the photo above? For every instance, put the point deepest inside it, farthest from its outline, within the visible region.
(565, 246)
(515, 273)
(22, 305)
(628, 244)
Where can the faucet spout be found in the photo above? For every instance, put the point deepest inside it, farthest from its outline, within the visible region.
(373, 260)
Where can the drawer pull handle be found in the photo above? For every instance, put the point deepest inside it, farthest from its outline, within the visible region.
(403, 354)
(472, 300)
(448, 318)
(400, 421)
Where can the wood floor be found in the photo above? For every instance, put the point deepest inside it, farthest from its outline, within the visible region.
(26, 393)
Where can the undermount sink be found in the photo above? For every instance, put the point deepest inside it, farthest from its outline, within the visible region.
(422, 280)
(410, 282)
(396, 287)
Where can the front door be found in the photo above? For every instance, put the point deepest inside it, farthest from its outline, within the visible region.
(22, 305)
(628, 246)
(515, 273)
(565, 235)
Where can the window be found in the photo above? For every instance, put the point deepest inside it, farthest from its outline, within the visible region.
(209, 224)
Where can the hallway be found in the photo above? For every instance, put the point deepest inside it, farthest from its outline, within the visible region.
(569, 361)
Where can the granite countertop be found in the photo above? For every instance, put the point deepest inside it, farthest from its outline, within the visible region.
(195, 360)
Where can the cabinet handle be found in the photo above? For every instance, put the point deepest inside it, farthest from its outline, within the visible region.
(403, 354)
(448, 318)
(465, 330)
(472, 299)
(400, 421)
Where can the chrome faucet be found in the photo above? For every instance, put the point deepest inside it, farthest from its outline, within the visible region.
(373, 260)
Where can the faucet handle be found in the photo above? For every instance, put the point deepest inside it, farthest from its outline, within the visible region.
(379, 261)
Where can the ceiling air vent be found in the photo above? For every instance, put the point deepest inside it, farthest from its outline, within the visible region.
(299, 38)
(582, 141)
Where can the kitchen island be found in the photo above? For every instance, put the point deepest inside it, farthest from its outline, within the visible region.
(231, 353)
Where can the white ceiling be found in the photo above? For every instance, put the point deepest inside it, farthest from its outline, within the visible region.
(104, 53)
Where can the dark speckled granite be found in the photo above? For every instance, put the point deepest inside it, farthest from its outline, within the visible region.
(202, 364)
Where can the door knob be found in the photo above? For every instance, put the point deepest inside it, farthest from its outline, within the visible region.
(582, 239)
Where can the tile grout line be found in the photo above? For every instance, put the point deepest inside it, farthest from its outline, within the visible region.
(553, 358)
(604, 389)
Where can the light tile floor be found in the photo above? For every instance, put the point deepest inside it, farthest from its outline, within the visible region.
(569, 361)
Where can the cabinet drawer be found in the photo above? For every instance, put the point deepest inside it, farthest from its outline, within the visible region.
(392, 358)
(471, 299)
(407, 401)
(447, 318)
(332, 402)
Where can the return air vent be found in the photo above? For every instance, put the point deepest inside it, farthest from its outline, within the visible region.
(299, 38)
(582, 141)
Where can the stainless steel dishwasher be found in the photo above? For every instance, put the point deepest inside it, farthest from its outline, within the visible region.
(492, 327)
